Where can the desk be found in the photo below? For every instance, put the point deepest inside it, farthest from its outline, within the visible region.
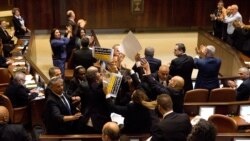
(241, 122)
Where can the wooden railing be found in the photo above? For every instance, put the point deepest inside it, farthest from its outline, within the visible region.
(89, 137)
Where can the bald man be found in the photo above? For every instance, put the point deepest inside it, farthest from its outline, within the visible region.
(162, 75)
(243, 91)
(174, 89)
(110, 132)
(11, 132)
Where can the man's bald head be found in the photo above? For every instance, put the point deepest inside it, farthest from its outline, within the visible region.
(177, 82)
(4, 115)
(163, 72)
(110, 132)
(244, 73)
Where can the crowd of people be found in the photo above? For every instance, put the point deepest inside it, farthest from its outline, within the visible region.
(228, 25)
(150, 96)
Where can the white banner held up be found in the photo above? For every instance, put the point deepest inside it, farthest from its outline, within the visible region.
(130, 46)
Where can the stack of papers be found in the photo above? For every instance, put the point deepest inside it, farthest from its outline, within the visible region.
(117, 118)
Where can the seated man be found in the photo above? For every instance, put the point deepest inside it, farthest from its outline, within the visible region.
(11, 132)
(60, 115)
(110, 132)
(243, 91)
(18, 94)
(173, 126)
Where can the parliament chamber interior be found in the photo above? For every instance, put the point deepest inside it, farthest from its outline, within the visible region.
(160, 70)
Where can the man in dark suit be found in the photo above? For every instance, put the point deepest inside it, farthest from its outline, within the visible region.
(18, 93)
(243, 91)
(182, 65)
(173, 126)
(83, 56)
(72, 40)
(162, 75)
(8, 44)
(60, 115)
(11, 132)
(154, 63)
(208, 67)
(94, 105)
(19, 23)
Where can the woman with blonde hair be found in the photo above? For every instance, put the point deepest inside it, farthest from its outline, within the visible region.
(138, 113)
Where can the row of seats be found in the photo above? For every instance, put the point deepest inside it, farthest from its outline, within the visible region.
(216, 95)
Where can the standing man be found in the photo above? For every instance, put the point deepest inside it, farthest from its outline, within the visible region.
(243, 91)
(173, 126)
(8, 43)
(60, 116)
(154, 63)
(229, 19)
(217, 17)
(208, 67)
(182, 65)
(73, 25)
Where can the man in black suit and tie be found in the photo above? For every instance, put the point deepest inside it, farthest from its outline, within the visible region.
(182, 65)
(8, 44)
(60, 115)
(173, 126)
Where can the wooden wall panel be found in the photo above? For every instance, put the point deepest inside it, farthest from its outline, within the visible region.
(163, 14)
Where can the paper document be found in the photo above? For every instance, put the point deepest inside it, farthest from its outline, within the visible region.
(130, 46)
(119, 119)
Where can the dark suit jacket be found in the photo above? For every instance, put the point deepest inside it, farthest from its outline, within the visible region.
(12, 132)
(243, 91)
(3, 61)
(138, 119)
(183, 66)
(174, 127)
(207, 77)
(156, 77)
(154, 64)
(18, 94)
(6, 38)
(54, 111)
(83, 57)
(18, 27)
(177, 96)
(94, 106)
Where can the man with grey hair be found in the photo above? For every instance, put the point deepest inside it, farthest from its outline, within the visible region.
(243, 91)
(18, 94)
(154, 63)
(208, 67)
(235, 15)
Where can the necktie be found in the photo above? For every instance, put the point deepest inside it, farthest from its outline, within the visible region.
(6, 33)
(66, 104)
